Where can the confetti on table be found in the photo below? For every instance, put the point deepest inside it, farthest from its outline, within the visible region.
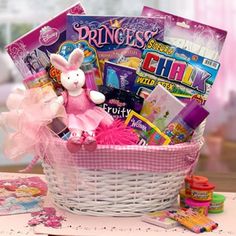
(47, 217)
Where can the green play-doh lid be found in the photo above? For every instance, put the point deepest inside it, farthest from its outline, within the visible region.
(218, 198)
(217, 203)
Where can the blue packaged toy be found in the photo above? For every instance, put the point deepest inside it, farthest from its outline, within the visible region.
(90, 56)
(186, 75)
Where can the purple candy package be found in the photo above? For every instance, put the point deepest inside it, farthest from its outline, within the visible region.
(198, 38)
(118, 76)
(117, 39)
(31, 52)
(120, 103)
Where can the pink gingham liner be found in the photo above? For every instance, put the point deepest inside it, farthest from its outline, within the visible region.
(136, 158)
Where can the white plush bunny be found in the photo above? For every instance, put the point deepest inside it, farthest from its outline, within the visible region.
(83, 115)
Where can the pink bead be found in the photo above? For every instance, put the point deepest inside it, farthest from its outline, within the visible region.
(33, 222)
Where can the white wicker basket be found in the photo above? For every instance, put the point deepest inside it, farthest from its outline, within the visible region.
(137, 179)
(113, 193)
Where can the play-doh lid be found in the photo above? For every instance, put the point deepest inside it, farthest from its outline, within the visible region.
(218, 198)
(196, 178)
(193, 203)
(204, 186)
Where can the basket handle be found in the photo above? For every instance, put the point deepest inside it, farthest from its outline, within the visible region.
(30, 166)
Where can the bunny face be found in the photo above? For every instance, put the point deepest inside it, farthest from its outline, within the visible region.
(73, 80)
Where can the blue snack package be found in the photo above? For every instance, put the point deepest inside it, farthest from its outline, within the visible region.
(118, 76)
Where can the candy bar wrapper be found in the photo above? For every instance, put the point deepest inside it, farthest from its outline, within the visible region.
(31, 52)
(119, 76)
(21, 195)
(198, 38)
(148, 133)
(184, 74)
(160, 107)
(160, 218)
(117, 39)
(119, 103)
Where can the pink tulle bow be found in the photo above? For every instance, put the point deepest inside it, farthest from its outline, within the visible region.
(30, 111)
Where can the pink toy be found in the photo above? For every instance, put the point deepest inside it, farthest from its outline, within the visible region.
(83, 115)
(116, 134)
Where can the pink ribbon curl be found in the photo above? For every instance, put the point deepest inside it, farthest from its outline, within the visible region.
(26, 122)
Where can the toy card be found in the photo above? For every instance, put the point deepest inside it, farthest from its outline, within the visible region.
(186, 75)
(116, 39)
(160, 107)
(31, 52)
(119, 76)
(198, 38)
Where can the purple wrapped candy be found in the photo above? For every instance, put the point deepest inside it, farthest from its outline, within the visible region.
(119, 103)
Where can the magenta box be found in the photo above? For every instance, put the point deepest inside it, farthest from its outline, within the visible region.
(31, 52)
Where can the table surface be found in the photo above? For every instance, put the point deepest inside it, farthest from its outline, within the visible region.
(117, 226)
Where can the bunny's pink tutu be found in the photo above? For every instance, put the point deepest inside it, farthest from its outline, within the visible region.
(83, 114)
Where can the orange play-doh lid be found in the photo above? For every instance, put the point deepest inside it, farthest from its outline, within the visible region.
(204, 186)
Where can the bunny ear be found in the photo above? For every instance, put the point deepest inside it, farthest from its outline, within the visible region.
(59, 62)
(76, 58)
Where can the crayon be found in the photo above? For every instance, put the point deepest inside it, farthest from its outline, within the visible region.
(186, 222)
(203, 220)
